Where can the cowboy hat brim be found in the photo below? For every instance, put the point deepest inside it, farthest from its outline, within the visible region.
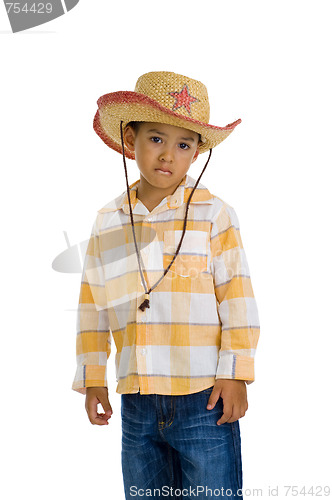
(127, 106)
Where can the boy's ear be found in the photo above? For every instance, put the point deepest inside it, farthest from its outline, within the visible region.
(195, 155)
(129, 138)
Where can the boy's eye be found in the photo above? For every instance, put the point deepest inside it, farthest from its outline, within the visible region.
(155, 139)
(184, 146)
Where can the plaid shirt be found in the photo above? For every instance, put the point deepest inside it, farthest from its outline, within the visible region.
(202, 323)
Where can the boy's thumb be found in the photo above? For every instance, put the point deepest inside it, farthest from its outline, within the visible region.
(106, 405)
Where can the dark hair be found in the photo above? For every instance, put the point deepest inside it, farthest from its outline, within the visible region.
(135, 126)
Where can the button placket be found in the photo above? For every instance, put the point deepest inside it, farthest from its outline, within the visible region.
(145, 252)
(142, 316)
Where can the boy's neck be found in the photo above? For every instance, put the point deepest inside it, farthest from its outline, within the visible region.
(151, 196)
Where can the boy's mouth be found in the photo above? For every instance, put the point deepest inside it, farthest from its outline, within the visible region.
(163, 171)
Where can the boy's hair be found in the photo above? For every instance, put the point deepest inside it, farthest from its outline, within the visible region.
(135, 126)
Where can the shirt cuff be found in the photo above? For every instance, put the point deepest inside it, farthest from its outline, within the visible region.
(236, 367)
(89, 376)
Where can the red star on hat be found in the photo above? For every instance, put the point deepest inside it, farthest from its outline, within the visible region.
(183, 98)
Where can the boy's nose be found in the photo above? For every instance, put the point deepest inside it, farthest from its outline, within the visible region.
(166, 155)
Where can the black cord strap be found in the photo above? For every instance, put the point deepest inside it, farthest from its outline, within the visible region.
(146, 302)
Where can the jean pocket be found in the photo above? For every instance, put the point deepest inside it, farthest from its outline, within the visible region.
(192, 258)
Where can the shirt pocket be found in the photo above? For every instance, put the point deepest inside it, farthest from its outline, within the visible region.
(192, 258)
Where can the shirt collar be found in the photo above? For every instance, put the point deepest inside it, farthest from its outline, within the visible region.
(175, 200)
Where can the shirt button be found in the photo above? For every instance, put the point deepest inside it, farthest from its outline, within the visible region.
(143, 351)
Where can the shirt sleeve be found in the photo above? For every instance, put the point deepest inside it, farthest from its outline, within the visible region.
(236, 304)
(93, 340)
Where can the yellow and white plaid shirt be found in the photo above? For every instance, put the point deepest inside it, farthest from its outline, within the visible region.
(202, 323)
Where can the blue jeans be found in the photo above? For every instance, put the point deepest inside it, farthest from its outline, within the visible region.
(173, 447)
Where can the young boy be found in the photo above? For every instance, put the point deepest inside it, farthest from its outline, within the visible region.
(166, 273)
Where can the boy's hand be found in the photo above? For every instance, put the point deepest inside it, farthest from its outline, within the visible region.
(234, 396)
(95, 395)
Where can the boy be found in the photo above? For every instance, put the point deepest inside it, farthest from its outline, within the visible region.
(166, 273)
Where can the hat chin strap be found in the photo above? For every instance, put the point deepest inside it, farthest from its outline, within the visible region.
(146, 302)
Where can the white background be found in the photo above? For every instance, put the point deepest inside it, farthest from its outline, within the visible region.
(268, 63)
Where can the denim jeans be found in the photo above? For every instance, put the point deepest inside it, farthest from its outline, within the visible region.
(172, 447)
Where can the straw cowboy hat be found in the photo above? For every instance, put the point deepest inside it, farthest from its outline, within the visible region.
(161, 97)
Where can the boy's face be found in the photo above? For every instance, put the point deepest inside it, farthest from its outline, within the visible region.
(158, 148)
